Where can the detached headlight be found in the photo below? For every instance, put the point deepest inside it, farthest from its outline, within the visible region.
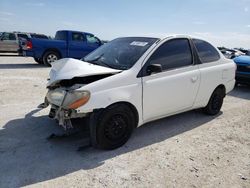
(75, 99)
(56, 96)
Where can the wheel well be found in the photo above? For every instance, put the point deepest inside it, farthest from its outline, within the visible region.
(222, 87)
(52, 50)
(131, 106)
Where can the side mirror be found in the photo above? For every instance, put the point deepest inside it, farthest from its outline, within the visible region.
(154, 68)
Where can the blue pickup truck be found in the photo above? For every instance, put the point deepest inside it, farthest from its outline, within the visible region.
(67, 43)
(243, 69)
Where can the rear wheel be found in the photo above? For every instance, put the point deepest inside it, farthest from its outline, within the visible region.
(49, 57)
(113, 127)
(215, 102)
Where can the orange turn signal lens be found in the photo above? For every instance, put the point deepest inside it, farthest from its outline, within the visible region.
(79, 102)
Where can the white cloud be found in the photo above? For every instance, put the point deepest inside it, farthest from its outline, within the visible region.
(228, 39)
(69, 24)
(202, 33)
(198, 23)
(246, 9)
(4, 19)
(38, 4)
(6, 13)
(248, 25)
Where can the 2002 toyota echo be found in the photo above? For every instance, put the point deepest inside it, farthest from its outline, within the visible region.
(133, 80)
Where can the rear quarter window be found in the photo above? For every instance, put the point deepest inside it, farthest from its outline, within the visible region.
(61, 35)
(207, 53)
(23, 36)
(39, 36)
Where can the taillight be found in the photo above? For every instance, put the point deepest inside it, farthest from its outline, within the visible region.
(29, 45)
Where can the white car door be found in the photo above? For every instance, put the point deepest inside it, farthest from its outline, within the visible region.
(174, 89)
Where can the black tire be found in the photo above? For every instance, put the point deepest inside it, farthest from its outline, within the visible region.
(112, 127)
(50, 57)
(215, 102)
(38, 60)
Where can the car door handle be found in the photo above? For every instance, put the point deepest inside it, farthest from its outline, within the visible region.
(194, 79)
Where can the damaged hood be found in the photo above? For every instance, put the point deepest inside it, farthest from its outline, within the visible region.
(68, 68)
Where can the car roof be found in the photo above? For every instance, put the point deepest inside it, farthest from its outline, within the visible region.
(163, 37)
(183, 36)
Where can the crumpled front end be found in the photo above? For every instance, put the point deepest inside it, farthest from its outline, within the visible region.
(64, 104)
(66, 88)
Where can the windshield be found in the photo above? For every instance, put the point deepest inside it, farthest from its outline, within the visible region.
(121, 53)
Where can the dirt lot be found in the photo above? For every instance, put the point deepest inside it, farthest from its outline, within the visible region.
(186, 150)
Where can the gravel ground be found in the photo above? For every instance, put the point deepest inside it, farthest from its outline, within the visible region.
(186, 150)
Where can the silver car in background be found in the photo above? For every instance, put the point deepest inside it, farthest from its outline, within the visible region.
(13, 41)
(9, 42)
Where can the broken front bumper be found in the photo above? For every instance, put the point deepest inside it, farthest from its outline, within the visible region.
(64, 116)
(60, 100)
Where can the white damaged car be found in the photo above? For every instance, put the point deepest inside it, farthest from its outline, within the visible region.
(133, 80)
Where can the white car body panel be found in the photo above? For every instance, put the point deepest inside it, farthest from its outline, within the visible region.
(185, 88)
(213, 74)
(69, 68)
(159, 101)
(104, 94)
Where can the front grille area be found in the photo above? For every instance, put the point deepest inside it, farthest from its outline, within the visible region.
(242, 68)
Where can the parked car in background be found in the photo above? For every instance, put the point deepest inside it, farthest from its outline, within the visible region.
(9, 42)
(243, 69)
(25, 37)
(134, 80)
(38, 36)
(246, 52)
(230, 53)
(67, 43)
(13, 41)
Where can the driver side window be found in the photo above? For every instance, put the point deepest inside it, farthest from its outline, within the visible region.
(172, 54)
(78, 37)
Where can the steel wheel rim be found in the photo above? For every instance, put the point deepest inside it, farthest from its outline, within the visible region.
(51, 58)
(116, 128)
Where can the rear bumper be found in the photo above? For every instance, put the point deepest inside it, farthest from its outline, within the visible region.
(27, 53)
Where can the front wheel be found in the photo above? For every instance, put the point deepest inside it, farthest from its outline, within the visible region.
(215, 102)
(49, 57)
(113, 127)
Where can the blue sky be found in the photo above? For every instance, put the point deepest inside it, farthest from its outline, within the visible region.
(223, 22)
